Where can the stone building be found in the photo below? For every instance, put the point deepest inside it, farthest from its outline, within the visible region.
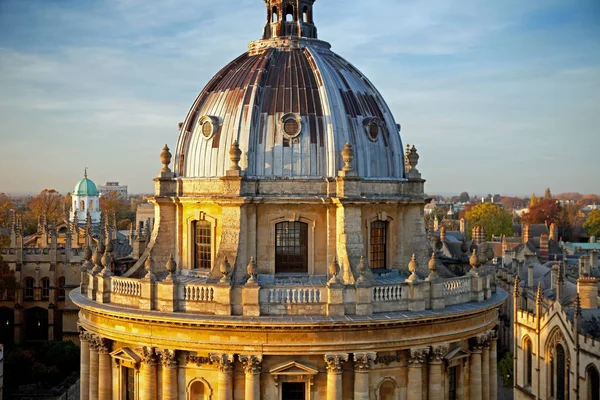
(288, 258)
(113, 187)
(85, 199)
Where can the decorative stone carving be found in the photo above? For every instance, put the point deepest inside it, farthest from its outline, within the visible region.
(148, 265)
(413, 158)
(334, 362)
(225, 268)
(348, 157)
(418, 356)
(387, 359)
(251, 269)
(165, 158)
(168, 358)
(363, 361)
(235, 155)
(223, 360)
(334, 269)
(362, 271)
(149, 355)
(198, 360)
(474, 262)
(437, 353)
(252, 363)
(103, 345)
(433, 268)
(412, 267)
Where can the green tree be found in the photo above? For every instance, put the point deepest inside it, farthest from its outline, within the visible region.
(505, 367)
(464, 197)
(493, 218)
(592, 224)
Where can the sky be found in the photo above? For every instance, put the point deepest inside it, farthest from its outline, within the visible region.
(498, 96)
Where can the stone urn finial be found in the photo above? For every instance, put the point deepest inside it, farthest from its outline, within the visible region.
(224, 269)
(171, 264)
(412, 267)
(251, 269)
(235, 155)
(165, 158)
(413, 158)
(334, 269)
(433, 267)
(106, 263)
(148, 266)
(87, 256)
(474, 260)
(362, 270)
(348, 157)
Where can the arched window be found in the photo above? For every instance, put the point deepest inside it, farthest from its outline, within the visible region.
(274, 15)
(291, 247)
(387, 390)
(289, 13)
(82, 205)
(378, 243)
(305, 14)
(28, 292)
(91, 205)
(561, 372)
(527, 362)
(593, 383)
(45, 283)
(197, 390)
(202, 245)
(61, 288)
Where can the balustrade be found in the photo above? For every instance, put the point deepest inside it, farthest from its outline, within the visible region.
(126, 286)
(198, 293)
(387, 293)
(295, 295)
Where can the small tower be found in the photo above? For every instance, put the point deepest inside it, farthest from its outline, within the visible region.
(291, 18)
(85, 199)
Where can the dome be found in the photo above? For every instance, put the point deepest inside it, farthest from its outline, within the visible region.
(291, 104)
(85, 187)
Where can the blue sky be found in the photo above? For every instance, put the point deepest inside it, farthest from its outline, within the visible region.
(498, 96)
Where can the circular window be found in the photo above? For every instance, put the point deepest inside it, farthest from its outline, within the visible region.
(207, 126)
(292, 125)
(372, 128)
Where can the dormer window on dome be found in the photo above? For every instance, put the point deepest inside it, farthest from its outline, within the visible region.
(372, 127)
(290, 18)
(291, 125)
(208, 125)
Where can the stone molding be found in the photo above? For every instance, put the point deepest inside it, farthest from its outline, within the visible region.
(252, 363)
(223, 360)
(334, 362)
(198, 360)
(437, 353)
(417, 357)
(168, 358)
(363, 361)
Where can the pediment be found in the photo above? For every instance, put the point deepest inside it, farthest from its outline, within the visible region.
(126, 354)
(293, 368)
(456, 354)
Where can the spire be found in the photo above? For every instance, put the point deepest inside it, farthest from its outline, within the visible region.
(290, 18)
(538, 295)
(85, 173)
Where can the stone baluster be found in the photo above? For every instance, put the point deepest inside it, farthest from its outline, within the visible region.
(84, 377)
(435, 372)
(225, 364)
(485, 366)
(252, 366)
(169, 374)
(362, 366)
(415, 373)
(93, 382)
(493, 366)
(147, 386)
(104, 370)
(475, 369)
(334, 375)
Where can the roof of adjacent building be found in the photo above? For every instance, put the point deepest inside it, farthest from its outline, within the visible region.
(85, 187)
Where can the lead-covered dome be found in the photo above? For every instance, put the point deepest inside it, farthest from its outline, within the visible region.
(291, 104)
(85, 187)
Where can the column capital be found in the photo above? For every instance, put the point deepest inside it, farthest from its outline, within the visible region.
(149, 355)
(418, 356)
(363, 361)
(85, 336)
(437, 353)
(168, 358)
(94, 342)
(334, 362)
(252, 363)
(103, 345)
(223, 360)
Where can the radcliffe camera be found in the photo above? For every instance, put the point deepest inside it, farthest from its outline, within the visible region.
(299, 200)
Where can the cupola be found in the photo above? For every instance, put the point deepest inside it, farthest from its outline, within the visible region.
(290, 18)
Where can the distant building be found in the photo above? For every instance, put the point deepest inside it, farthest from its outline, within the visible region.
(85, 200)
(110, 187)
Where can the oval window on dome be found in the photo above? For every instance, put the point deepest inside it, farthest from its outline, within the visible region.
(291, 125)
(208, 126)
(372, 127)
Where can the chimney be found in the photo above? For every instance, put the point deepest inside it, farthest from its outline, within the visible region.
(583, 266)
(463, 225)
(526, 233)
(442, 234)
(593, 259)
(554, 275)
(508, 256)
(544, 248)
(436, 224)
(554, 232)
(587, 288)
(483, 236)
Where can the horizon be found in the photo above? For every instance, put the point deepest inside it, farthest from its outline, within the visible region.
(496, 97)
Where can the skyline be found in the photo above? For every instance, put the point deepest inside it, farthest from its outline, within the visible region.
(515, 86)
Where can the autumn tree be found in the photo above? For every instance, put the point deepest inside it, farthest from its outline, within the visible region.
(493, 218)
(49, 203)
(548, 194)
(113, 204)
(543, 211)
(533, 201)
(5, 206)
(592, 223)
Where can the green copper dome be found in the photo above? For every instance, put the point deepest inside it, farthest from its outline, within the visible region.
(85, 187)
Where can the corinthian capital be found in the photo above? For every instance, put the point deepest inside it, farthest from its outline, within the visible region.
(363, 361)
(252, 364)
(418, 356)
(334, 362)
(437, 353)
(223, 360)
(103, 345)
(149, 355)
(168, 358)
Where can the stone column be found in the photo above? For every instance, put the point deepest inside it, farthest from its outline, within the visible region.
(435, 372)
(485, 368)
(475, 370)
(148, 390)
(84, 376)
(334, 375)
(252, 367)
(169, 374)
(93, 382)
(104, 370)
(493, 367)
(225, 385)
(415, 378)
(362, 365)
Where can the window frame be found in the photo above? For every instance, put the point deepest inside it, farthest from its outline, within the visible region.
(190, 253)
(292, 217)
(390, 240)
(45, 288)
(301, 245)
(61, 295)
(28, 289)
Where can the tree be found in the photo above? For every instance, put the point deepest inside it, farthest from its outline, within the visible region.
(493, 218)
(49, 203)
(8, 281)
(5, 206)
(464, 197)
(113, 204)
(533, 201)
(592, 223)
(548, 194)
(543, 211)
